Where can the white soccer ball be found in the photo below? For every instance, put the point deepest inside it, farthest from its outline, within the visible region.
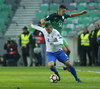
(54, 78)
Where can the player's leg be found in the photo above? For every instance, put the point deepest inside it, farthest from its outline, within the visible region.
(53, 68)
(52, 63)
(64, 59)
(66, 47)
(72, 70)
(67, 50)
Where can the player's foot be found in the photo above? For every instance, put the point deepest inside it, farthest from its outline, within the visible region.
(59, 78)
(66, 68)
(79, 81)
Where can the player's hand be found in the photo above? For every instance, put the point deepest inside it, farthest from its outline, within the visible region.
(51, 43)
(42, 21)
(84, 12)
(30, 24)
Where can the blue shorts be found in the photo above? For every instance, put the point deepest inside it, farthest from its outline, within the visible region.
(60, 55)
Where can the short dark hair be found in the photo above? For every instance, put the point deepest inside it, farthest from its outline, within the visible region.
(62, 7)
(47, 24)
(25, 28)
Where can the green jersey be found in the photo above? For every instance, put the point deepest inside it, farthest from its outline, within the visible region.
(57, 21)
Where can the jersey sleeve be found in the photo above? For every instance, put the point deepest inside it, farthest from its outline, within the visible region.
(37, 27)
(59, 39)
(49, 17)
(66, 16)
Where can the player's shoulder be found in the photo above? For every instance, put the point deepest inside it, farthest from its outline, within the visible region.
(44, 29)
(66, 15)
(55, 31)
(53, 14)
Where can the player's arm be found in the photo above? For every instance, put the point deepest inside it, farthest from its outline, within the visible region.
(36, 27)
(77, 14)
(49, 17)
(59, 40)
(67, 49)
(43, 21)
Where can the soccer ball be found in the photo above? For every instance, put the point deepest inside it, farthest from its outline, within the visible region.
(54, 78)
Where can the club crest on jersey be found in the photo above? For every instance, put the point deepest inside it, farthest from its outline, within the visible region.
(62, 17)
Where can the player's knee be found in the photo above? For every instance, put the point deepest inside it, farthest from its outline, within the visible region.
(69, 51)
(51, 66)
(68, 63)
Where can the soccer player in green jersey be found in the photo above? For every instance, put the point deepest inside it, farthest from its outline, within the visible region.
(57, 19)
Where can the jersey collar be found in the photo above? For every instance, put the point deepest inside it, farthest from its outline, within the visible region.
(57, 14)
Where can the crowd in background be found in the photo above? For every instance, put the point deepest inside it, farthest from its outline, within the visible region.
(89, 44)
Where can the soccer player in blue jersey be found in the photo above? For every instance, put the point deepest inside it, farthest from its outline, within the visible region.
(54, 49)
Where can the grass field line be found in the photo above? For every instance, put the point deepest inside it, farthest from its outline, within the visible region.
(81, 70)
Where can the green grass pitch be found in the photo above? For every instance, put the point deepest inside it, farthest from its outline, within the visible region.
(38, 78)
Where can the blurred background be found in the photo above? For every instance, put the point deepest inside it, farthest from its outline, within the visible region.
(15, 14)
